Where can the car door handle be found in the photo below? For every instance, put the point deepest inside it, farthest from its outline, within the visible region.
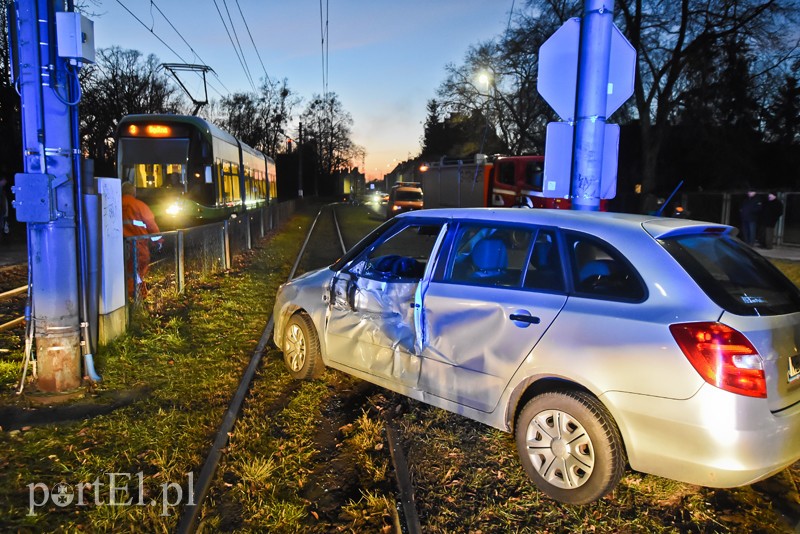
(524, 318)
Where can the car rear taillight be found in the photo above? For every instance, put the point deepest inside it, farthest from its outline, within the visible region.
(724, 357)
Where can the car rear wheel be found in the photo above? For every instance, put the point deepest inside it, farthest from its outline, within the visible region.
(301, 351)
(570, 446)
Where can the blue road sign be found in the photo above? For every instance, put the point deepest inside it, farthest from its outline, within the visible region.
(558, 70)
(558, 161)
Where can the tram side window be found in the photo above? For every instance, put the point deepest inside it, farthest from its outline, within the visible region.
(273, 187)
(262, 187)
(248, 184)
(258, 186)
(229, 190)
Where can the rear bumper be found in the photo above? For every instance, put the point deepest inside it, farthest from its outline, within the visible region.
(714, 439)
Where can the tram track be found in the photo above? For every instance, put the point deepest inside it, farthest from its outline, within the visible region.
(405, 515)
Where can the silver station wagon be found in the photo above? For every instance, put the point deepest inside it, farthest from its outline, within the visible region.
(600, 340)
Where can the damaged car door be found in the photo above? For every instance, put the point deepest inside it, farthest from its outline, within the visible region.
(371, 315)
(486, 307)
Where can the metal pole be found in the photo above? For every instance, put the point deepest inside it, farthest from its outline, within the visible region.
(593, 61)
(48, 160)
(300, 164)
(226, 244)
(179, 261)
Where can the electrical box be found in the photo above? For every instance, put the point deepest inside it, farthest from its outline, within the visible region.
(75, 35)
(33, 198)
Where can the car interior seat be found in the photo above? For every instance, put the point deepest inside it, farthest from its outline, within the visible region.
(594, 271)
(490, 259)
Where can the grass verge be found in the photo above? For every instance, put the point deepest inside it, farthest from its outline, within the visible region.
(189, 352)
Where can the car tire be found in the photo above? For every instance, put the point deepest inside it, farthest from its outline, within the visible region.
(301, 350)
(570, 446)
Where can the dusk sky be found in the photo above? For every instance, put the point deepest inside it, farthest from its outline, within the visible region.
(386, 58)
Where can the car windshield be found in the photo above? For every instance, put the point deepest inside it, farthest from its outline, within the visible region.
(735, 277)
(408, 195)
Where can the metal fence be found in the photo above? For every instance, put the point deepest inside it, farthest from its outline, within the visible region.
(193, 252)
(724, 208)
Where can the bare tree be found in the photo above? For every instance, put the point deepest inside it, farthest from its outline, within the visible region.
(717, 59)
(260, 120)
(676, 40)
(328, 126)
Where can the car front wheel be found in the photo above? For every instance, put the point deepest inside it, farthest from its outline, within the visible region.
(301, 350)
(570, 446)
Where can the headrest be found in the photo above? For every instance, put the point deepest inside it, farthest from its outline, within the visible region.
(490, 255)
(595, 268)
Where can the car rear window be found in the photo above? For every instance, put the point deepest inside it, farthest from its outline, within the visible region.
(734, 276)
(408, 195)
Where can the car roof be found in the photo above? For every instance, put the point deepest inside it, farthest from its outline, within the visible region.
(657, 227)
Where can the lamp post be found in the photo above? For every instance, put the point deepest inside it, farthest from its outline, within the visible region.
(485, 79)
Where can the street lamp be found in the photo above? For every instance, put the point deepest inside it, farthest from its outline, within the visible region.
(484, 79)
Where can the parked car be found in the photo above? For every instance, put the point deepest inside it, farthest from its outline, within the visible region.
(404, 197)
(599, 339)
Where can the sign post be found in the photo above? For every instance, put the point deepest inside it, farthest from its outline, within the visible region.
(586, 72)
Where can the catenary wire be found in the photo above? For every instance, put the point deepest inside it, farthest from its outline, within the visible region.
(187, 44)
(239, 45)
(225, 25)
(140, 21)
(266, 76)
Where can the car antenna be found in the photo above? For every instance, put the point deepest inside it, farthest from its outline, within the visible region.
(666, 202)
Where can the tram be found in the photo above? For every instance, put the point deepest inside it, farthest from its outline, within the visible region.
(191, 172)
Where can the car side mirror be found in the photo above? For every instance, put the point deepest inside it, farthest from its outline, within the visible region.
(342, 291)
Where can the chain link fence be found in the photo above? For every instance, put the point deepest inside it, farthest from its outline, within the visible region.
(195, 252)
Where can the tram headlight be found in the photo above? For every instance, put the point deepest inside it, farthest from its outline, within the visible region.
(174, 209)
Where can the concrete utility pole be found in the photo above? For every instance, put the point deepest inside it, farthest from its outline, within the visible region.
(590, 111)
(45, 193)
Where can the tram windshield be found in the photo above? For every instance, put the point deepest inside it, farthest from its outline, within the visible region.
(154, 163)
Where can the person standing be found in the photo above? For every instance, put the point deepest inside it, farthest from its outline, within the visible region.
(137, 220)
(771, 212)
(749, 212)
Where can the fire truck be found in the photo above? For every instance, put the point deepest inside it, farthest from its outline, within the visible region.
(500, 181)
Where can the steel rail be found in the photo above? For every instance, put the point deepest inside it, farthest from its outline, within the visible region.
(13, 292)
(188, 521)
(191, 512)
(406, 500)
(8, 294)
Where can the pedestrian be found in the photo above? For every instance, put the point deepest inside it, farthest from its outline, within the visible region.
(137, 220)
(4, 213)
(749, 212)
(771, 211)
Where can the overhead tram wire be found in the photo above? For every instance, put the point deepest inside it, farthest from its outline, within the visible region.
(140, 21)
(241, 50)
(236, 50)
(234, 39)
(153, 3)
(510, 13)
(266, 76)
